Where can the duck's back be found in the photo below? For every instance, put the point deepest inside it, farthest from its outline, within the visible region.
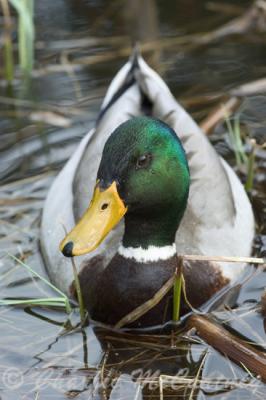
(218, 219)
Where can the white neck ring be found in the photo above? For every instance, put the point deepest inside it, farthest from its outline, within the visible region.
(151, 254)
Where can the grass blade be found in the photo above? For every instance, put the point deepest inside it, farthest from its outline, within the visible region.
(79, 293)
(26, 33)
(250, 166)
(177, 291)
(49, 302)
(68, 307)
(8, 46)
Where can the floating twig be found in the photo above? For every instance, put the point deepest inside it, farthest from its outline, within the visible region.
(51, 118)
(250, 88)
(247, 260)
(225, 342)
(218, 115)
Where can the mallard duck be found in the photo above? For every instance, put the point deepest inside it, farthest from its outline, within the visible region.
(137, 165)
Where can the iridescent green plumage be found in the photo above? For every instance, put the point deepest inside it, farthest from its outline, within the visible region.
(147, 160)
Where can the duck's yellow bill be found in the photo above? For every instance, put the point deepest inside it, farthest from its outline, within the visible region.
(105, 211)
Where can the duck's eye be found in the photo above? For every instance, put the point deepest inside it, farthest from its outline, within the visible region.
(143, 161)
(104, 206)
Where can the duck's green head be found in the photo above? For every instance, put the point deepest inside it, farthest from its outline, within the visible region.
(143, 175)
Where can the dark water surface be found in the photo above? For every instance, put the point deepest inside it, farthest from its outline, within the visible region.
(80, 45)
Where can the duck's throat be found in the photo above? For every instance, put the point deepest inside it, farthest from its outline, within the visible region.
(149, 239)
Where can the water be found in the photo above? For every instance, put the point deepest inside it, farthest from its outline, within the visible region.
(44, 353)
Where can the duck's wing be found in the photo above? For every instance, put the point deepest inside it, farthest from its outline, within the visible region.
(218, 220)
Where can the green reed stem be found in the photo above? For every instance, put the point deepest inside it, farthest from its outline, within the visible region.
(79, 293)
(8, 47)
(26, 33)
(177, 292)
(234, 134)
(9, 61)
(250, 166)
(49, 302)
(34, 273)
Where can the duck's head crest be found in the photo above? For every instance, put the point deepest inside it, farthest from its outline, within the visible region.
(143, 173)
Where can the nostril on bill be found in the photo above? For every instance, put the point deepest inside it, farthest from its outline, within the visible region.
(104, 206)
(67, 250)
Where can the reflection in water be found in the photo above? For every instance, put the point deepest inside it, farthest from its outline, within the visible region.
(142, 20)
(142, 25)
(146, 357)
(85, 348)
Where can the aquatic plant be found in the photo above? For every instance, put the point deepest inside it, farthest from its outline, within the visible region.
(49, 301)
(62, 301)
(177, 290)
(8, 46)
(26, 33)
(235, 139)
(243, 160)
(251, 166)
(79, 293)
